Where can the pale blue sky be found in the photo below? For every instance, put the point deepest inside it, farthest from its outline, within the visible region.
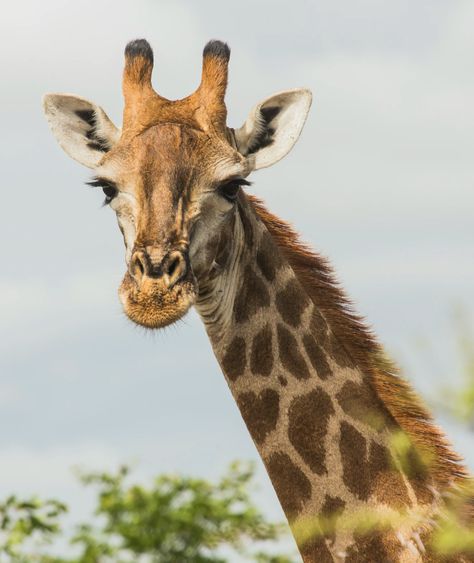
(381, 181)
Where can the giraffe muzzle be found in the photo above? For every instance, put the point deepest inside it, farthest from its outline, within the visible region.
(157, 290)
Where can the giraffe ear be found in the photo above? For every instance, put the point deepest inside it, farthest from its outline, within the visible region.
(273, 127)
(81, 128)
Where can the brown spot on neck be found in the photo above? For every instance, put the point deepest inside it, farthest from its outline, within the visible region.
(291, 484)
(361, 403)
(315, 550)
(260, 412)
(283, 380)
(308, 424)
(290, 357)
(261, 358)
(338, 352)
(234, 359)
(353, 449)
(373, 548)
(332, 509)
(319, 328)
(252, 297)
(268, 257)
(291, 302)
(316, 357)
(387, 483)
(247, 226)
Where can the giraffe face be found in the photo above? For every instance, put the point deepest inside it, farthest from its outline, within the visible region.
(172, 188)
(173, 173)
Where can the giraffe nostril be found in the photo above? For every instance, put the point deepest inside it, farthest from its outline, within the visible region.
(173, 266)
(139, 266)
(170, 270)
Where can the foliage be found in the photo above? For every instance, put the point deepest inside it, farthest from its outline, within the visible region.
(175, 519)
(27, 521)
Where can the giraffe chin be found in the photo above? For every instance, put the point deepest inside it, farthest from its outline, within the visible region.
(151, 305)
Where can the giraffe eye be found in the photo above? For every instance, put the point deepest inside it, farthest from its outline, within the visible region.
(230, 190)
(110, 192)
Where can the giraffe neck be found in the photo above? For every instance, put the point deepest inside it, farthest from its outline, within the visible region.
(322, 431)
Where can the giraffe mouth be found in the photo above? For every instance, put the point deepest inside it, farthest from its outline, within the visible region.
(153, 305)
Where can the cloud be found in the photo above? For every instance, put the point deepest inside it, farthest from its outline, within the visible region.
(385, 132)
(36, 312)
(409, 268)
(53, 467)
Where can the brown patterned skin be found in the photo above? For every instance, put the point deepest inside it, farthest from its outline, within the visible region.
(292, 486)
(358, 401)
(252, 297)
(266, 259)
(308, 417)
(261, 358)
(371, 548)
(332, 510)
(316, 356)
(260, 411)
(316, 550)
(290, 356)
(353, 448)
(291, 303)
(233, 361)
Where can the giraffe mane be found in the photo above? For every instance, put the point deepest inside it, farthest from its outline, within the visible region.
(317, 277)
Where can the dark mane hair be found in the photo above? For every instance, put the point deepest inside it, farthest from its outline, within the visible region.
(317, 277)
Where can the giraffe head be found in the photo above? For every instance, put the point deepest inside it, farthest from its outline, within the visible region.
(173, 173)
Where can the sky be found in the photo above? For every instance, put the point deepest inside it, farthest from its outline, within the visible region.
(381, 181)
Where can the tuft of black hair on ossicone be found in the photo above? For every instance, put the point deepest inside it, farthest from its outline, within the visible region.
(139, 48)
(216, 48)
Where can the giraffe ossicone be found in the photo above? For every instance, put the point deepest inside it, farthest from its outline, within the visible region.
(340, 433)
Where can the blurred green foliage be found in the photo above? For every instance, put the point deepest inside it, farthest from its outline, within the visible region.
(29, 522)
(174, 519)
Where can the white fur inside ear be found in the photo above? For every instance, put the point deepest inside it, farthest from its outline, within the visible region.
(273, 127)
(81, 128)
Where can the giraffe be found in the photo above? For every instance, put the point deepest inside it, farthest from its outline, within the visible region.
(339, 431)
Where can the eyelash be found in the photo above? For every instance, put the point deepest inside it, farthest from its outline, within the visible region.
(110, 190)
(230, 190)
